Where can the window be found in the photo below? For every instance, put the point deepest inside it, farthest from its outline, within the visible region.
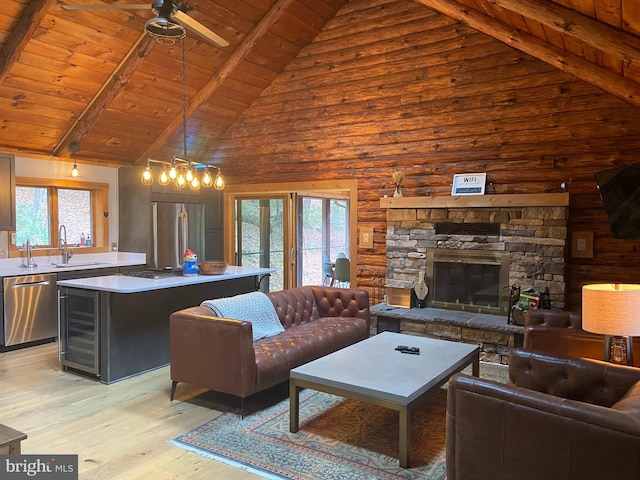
(42, 206)
(74, 212)
(32, 216)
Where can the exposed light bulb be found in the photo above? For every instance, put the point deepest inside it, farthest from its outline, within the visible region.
(194, 184)
(207, 180)
(219, 182)
(147, 179)
(180, 181)
(163, 179)
(173, 173)
(75, 172)
(189, 176)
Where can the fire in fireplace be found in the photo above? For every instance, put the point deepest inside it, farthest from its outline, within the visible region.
(471, 280)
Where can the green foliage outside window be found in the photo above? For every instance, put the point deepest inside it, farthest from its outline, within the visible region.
(34, 215)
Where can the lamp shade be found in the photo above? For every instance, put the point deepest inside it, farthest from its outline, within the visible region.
(611, 309)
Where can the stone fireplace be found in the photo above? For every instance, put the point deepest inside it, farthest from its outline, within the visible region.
(473, 255)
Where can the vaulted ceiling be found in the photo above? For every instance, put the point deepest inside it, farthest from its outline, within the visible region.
(93, 78)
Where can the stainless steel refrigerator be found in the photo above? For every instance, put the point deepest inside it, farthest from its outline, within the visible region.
(174, 228)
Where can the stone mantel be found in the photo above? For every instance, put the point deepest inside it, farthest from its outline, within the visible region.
(479, 201)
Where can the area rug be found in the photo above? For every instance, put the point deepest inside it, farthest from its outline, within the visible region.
(338, 439)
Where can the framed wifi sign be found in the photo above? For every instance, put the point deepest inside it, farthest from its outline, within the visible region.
(469, 184)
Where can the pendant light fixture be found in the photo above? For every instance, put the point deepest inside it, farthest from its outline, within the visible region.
(181, 171)
(74, 148)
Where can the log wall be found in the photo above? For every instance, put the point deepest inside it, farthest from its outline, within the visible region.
(392, 85)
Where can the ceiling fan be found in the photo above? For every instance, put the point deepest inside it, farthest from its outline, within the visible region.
(170, 23)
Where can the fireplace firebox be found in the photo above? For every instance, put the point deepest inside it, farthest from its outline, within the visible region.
(470, 280)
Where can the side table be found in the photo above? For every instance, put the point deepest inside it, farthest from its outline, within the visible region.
(10, 440)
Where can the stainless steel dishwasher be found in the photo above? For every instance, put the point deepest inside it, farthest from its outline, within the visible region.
(30, 305)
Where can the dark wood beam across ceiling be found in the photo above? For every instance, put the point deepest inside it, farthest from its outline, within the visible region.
(606, 80)
(109, 91)
(9, 54)
(582, 28)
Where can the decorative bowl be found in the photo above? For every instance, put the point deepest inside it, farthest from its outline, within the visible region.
(213, 267)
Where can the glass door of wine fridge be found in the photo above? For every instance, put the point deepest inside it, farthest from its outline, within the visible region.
(79, 346)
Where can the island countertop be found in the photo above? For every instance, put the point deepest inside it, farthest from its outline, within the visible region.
(128, 284)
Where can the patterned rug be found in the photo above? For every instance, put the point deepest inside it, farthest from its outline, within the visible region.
(338, 439)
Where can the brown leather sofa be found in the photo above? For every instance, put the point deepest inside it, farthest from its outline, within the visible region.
(220, 354)
(560, 331)
(561, 418)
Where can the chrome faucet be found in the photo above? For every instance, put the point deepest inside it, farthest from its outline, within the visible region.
(30, 262)
(62, 245)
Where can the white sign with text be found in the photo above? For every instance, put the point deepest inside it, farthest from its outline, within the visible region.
(469, 184)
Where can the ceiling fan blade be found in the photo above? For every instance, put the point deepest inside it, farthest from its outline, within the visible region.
(130, 6)
(199, 28)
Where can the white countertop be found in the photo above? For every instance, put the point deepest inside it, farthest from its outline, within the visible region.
(127, 284)
(11, 266)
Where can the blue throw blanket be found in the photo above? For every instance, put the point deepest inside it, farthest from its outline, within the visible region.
(254, 307)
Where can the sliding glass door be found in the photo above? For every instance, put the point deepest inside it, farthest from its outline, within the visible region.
(261, 237)
(288, 227)
(323, 228)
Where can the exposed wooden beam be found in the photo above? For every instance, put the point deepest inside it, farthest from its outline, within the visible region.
(581, 27)
(219, 76)
(107, 93)
(31, 19)
(604, 79)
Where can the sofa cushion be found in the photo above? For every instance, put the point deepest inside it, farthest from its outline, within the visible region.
(254, 307)
(299, 344)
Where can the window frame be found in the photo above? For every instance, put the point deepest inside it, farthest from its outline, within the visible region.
(99, 210)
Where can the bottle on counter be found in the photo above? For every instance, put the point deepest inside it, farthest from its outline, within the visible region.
(82, 239)
(88, 241)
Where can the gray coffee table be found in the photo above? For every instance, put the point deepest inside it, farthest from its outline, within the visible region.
(372, 371)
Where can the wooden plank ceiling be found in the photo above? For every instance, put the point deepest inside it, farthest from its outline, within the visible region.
(93, 78)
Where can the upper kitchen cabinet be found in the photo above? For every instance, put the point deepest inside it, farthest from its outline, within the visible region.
(7, 192)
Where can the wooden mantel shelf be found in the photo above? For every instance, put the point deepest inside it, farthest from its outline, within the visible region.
(476, 201)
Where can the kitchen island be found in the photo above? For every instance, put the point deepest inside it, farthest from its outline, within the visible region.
(117, 326)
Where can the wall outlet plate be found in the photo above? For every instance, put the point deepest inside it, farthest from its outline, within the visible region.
(366, 237)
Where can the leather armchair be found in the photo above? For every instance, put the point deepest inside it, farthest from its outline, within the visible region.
(559, 418)
(560, 332)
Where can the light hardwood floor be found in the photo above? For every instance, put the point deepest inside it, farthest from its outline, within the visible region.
(118, 431)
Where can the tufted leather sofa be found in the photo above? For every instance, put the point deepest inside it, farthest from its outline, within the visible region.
(560, 418)
(220, 354)
(560, 331)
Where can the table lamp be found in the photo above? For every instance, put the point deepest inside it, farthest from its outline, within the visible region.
(613, 309)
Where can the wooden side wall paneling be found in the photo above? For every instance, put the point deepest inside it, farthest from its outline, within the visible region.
(405, 88)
